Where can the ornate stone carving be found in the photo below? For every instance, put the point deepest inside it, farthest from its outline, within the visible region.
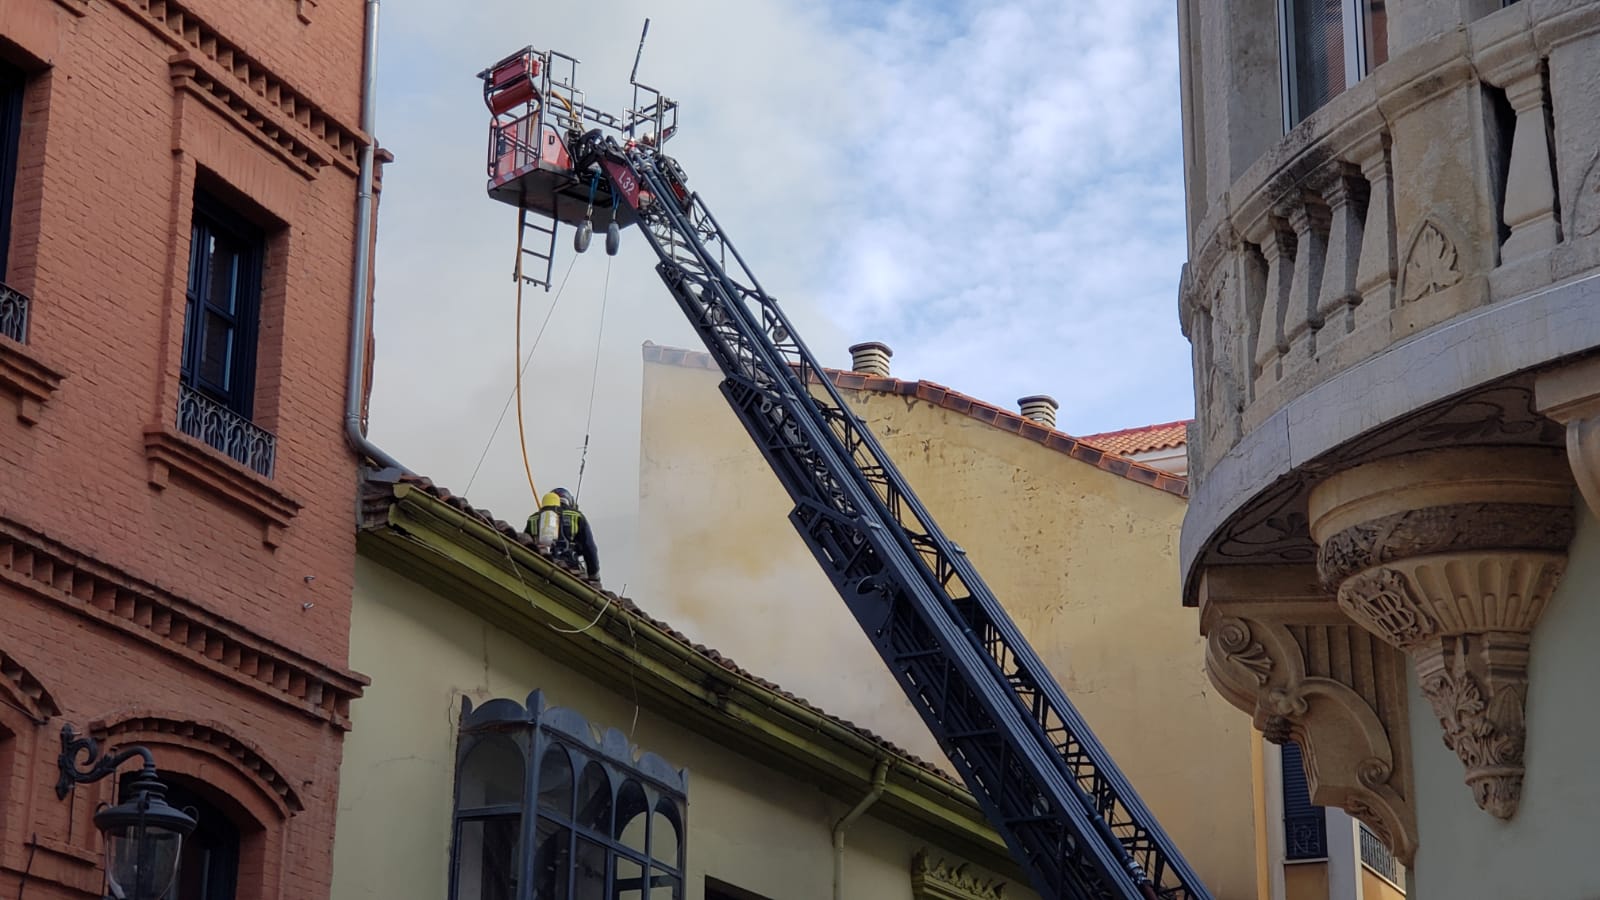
(1571, 396)
(1458, 581)
(1281, 650)
(1432, 264)
(944, 880)
(1477, 685)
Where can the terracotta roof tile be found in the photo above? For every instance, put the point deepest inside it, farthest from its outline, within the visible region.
(1129, 441)
(1082, 449)
(646, 620)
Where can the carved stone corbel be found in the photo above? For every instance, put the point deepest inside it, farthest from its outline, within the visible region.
(945, 880)
(1451, 557)
(1279, 648)
(1571, 396)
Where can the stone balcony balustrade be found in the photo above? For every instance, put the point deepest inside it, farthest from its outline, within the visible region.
(1389, 312)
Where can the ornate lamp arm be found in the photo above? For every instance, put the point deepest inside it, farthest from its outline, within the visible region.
(95, 766)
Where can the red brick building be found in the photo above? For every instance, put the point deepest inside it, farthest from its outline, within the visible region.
(178, 220)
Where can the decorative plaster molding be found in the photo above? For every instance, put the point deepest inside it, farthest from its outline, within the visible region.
(1432, 264)
(944, 880)
(1279, 649)
(1458, 586)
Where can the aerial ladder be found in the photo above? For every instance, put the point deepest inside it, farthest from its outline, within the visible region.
(1070, 818)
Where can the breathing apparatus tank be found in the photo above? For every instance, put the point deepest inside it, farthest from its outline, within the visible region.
(548, 528)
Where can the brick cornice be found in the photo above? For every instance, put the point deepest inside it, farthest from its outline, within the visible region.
(283, 137)
(27, 378)
(53, 571)
(156, 726)
(238, 74)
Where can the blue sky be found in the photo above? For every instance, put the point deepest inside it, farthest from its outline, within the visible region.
(992, 188)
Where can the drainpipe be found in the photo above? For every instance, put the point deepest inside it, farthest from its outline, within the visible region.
(363, 282)
(880, 777)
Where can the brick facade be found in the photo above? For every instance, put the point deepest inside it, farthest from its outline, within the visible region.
(152, 589)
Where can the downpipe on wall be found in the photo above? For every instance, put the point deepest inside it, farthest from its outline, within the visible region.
(880, 780)
(359, 323)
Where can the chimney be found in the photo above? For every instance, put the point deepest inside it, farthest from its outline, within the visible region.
(1040, 408)
(871, 358)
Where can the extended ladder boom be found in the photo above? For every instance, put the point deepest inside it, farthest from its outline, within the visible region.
(1047, 785)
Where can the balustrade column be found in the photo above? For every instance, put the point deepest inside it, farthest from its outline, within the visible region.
(1309, 219)
(1376, 268)
(1277, 248)
(1530, 204)
(1336, 304)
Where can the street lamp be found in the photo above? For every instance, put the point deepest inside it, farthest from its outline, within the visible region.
(143, 834)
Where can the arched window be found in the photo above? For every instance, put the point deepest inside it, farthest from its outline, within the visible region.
(607, 821)
(489, 798)
(208, 868)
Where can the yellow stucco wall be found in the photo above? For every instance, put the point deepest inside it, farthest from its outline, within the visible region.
(749, 825)
(1084, 560)
(1305, 881)
(1374, 887)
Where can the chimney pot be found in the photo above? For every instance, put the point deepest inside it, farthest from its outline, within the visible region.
(871, 358)
(1039, 408)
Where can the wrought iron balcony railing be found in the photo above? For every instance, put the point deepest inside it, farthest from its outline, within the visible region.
(13, 314)
(205, 419)
(1376, 856)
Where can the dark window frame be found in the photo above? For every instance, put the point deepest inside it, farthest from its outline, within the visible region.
(544, 735)
(209, 866)
(13, 82)
(1363, 46)
(212, 218)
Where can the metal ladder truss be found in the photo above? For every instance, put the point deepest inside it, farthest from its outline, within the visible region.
(536, 254)
(1068, 814)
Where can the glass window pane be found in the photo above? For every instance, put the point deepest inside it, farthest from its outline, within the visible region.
(552, 861)
(216, 351)
(223, 265)
(664, 886)
(487, 854)
(555, 783)
(594, 799)
(491, 775)
(1377, 33)
(632, 809)
(629, 880)
(589, 874)
(664, 835)
(1318, 52)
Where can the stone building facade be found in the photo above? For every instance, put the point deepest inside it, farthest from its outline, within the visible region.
(178, 221)
(1394, 215)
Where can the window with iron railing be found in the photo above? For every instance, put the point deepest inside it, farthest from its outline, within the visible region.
(1326, 47)
(11, 85)
(222, 313)
(1377, 856)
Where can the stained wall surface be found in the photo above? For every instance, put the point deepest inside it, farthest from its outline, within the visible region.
(1083, 559)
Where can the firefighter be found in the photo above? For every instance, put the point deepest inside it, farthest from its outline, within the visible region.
(560, 529)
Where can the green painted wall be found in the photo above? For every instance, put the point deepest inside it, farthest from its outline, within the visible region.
(749, 824)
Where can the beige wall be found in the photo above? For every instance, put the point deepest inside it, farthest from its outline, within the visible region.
(749, 825)
(1544, 851)
(1085, 561)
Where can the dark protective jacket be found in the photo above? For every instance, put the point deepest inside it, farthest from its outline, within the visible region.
(576, 540)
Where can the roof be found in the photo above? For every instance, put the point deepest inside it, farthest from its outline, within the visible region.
(378, 493)
(937, 394)
(420, 528)
(1144, 439)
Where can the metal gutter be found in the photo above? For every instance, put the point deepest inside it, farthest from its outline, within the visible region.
(363, 278)
(880, 778)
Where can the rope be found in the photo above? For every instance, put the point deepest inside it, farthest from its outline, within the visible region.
(525, 363)
(594, 380)
(516, 361)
